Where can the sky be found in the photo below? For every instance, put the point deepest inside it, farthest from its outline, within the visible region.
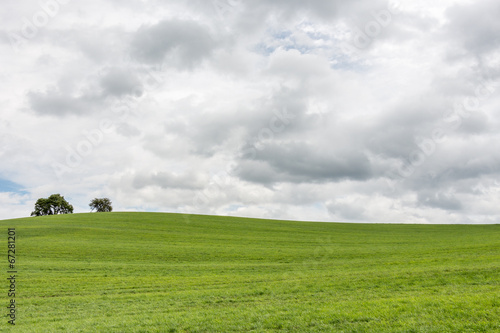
(348, 111)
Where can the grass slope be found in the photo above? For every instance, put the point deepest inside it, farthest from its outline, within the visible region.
(147, 272)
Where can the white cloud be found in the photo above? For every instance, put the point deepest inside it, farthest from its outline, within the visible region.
(360, 111)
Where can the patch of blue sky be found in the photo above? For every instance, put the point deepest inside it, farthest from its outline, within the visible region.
(285, 34)
(301, 48)
(316, 35)
(278, 39)
(291, 43)
(319, 205)
(233, 208)
(11, 187)
(270, 49)
(285, 40)
(344, 62)
(264, 49)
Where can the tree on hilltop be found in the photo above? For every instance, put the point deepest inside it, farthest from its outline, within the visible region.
(53, 205)
(101, 205)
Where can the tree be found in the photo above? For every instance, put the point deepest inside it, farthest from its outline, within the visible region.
(53, 205)
(101, 205)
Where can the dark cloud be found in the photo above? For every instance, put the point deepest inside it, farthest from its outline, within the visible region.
(475, 167)
(327, 10)
(475, 26)
(55, 103)
(300, 162)
(259, 172)
(119, 81)
(439, 200)
(175, 42)
(477, 123)
(398, 132)
(127, 130)
(353, 212)
(76, 94)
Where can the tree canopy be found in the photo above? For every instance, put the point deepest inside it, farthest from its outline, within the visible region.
(101, 205)
(53, 205)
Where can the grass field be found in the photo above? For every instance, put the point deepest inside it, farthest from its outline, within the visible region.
(147, 272)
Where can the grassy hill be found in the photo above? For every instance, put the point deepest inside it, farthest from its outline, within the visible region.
(147, 272)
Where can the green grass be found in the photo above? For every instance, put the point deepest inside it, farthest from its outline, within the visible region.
(147, 272)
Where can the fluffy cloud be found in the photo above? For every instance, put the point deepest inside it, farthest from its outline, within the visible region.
(363, 111)
(179, 43)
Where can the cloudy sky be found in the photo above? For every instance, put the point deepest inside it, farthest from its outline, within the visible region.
(361, 111)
